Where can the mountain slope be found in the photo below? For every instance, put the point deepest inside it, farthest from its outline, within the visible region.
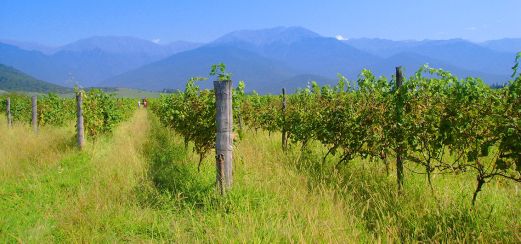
(267, 59)
(305, 55)
(118, 45)
(15, 80)
(511, 45)
(321, 56)
(301, 49)
(89, 61)
(489, 58)
(263, 37)
(30, 46)
(381, 47)
(260, 73)
(466, 55)
(412, 62)
(33, 63)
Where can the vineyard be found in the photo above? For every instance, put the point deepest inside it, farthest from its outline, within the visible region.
(439, 123)
(102, 111)
(430, 157)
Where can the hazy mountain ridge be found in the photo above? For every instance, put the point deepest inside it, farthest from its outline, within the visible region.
(413, 61)
(305, 52)
(511, 45)
(30, 46)
(263, 37)
(260, 72)
(15, 80)
(267, 59)
(89, 61)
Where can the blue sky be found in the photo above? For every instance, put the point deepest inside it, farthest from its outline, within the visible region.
(56, 22)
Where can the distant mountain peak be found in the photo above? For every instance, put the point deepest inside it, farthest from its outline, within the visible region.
(261, 37)
(29, 46)
(511, 45)
(113, 44)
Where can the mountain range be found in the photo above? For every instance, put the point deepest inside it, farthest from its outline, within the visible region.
(87, 62)
(267, 59)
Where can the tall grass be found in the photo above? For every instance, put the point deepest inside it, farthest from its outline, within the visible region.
(23, 152)
(268, 203)
(142, 185)
(106, 208)
(418, 214)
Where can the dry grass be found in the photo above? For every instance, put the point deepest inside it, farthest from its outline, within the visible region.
(117, 169)
(296, 212)
(22, 151)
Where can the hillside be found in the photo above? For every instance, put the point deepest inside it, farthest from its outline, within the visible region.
(15, 80)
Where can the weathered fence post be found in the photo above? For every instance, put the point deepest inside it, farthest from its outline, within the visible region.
(224, 124)
(35, 113)
(79, 125)
(399, 136)
(284, 136)
(240, 119)
(219, 164)
(8, 113)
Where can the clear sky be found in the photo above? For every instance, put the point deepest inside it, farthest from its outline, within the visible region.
(56, 22)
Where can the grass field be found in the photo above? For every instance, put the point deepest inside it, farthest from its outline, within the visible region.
(142, 185)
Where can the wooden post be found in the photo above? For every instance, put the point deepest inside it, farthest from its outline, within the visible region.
(224, 124)
(219, 163)
(240, 119)
(35, 113)
(284, 136)
(79, 125)
(8, 113)
(399, 136)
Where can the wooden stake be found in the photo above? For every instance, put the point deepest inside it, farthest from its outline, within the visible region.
(284, 136)
(399, 110)
(79, 125)
(219, 164)
(224, 124)
(35, 114)
(8, 113)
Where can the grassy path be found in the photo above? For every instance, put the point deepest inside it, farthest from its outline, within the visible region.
(44, 177)
(269, 202)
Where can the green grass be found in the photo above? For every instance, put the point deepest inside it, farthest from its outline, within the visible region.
(28, 204)
(142, 185)
(418, 213)
(269, 202)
